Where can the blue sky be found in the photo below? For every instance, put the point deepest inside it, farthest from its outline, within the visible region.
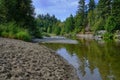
(60, 8)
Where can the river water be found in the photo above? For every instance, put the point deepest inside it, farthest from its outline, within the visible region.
(93, 60)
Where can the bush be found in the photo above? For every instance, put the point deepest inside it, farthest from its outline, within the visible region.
(110, 24)
(99, 25)
(37, 33)
(7, 34)
(107, 36)
(45, 34)
(11, 30)
(23, 35)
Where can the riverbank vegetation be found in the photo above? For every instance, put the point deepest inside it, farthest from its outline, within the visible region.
(11, 30)
(17, 19)
(91, 17)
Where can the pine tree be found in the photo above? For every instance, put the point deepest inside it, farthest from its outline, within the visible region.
(19, 11)
(104, 8)
(80, 18)
(91, 15)
(25, 13)
(91, 5)
(115, 12)
(3, 11)
(69, 24)
(81, 11)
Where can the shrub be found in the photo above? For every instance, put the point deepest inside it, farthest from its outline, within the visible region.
(37, 33)
(99, 25)
(4, 34)
(23, 35)
(11, 30)
(45, 34)
(110, 24)
(107, 36)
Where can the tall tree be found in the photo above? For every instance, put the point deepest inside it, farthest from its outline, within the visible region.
(101, 14)
(80, 17)
(48, 23)
(91, 5)
(81, 11)
(69, 24)
(3, 11)
(26, 13)
(91, 15)
(115, 12)
(104, 8)
(20, 11)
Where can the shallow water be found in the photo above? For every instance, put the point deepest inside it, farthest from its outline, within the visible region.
(93, 60)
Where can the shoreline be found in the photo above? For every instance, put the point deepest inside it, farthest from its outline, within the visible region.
(25, 60)
(55, 40)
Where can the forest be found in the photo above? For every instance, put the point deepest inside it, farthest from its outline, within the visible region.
(17, 20)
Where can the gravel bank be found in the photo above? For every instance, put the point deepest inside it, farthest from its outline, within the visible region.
(21, 60)
(55, 40)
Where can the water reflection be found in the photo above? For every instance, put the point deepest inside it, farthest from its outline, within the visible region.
(93, 61)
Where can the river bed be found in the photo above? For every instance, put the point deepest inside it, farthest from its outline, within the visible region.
(93, 60)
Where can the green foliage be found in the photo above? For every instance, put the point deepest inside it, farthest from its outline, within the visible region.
(110, 24)
(69, 24)
(117, 35)
(102, 16)
(19, 11)
(23, 35)
(104, 8)
(45, 34)
(49, 25)
(11, 30)
(115, 13)
(107, 36)
(82, 12)
(78, 22)
(48, 30)
(2, 11)
(57, 30)
(62, 30)
(37, 33)
(99, 25)
(91, 18)
(91, 5)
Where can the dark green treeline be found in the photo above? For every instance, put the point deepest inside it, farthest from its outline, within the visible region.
(91, 17)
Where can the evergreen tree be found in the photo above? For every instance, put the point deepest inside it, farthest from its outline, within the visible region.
(81, 16)
(48, 24)
(78, 23)
(91, 16)
(19, 11)
(104, 8)
(115, 12)
(81, 11)
(69, 24)
(3, 11)
(26, 12)
(91, 5)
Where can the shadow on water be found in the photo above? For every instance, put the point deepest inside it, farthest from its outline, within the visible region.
(93, 60)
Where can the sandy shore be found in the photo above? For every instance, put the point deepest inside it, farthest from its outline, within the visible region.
(21, 60)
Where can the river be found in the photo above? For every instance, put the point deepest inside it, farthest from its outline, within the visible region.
(93, 60)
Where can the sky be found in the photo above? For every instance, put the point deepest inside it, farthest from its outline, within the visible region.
(60, 8)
